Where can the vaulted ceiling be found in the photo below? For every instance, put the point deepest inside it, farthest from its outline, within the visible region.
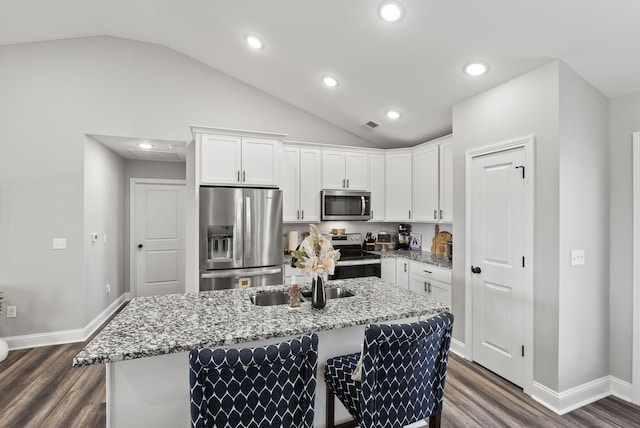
(414, 66)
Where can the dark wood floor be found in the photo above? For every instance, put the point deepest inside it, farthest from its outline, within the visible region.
(39, 388)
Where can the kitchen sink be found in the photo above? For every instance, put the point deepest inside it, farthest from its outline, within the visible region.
(332, 293)
(282, 297)
(270, 299)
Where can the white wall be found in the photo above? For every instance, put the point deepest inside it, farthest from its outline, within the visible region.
(104, 214)
(584, 224)
(53, 93)
(624, 120)
(526, 105)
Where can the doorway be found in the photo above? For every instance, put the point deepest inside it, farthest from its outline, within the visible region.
(499, 259)
(157, 243)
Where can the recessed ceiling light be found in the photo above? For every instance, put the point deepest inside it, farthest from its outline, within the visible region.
(476, 69)
(145, 145)
(392, 114)
(391, 11)
(253, 41)
(329, 81)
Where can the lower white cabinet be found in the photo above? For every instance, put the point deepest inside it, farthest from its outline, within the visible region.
(388, 270)
(431, 280)
(402, 272)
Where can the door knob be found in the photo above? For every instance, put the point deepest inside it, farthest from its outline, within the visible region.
(140, 245)
(476, 269)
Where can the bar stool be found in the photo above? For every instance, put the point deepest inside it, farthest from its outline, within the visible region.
(403, 375)
(271, 386)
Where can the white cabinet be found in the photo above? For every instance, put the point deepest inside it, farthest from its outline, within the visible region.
(432, 194)
(239, 161)
(345, 170)
(376, 186)
(431, 280)
(402, 272)
(425, 184)
(446, 181)
(398, 186)
(301, 184)
(388, 270)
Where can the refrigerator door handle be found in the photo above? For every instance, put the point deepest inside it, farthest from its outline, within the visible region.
(238, 250)
(240, 273)
(247, 228)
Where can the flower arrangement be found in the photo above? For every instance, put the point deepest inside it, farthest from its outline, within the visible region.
(316, 256)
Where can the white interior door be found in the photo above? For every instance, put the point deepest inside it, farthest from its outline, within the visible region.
(498, 246)
(158, 239)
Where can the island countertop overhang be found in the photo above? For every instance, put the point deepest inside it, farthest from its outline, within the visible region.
(150, 326)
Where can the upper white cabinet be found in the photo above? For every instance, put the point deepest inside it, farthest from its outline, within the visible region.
(345, 170)
(301, 184)
(433, 181)
(446, 181)
(425, 184)
(376, 186)
(237, 160)
(398, 186)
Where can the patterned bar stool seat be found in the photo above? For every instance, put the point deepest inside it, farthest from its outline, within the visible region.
(271, 386)
(403, 374)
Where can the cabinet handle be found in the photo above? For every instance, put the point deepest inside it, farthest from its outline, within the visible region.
(428, 287)
(425, 287)
(244, 176)
(429, 272)
(344, 183)
(435, 215)
(440, 214)
(303, 214)
(409, 214)
(405, 267)
(298, 215)
(238, 176)
(347, 183)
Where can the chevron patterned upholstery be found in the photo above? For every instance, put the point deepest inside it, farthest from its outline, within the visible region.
(271, 386)
(403, 374)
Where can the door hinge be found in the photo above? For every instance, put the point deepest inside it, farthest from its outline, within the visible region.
(523, 350)
(521, 166)
(522, 261)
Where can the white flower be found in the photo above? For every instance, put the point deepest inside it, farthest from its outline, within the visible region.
(316, 255)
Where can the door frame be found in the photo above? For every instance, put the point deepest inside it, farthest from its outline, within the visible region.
(635, 353)
(133, 182)
(528, 144)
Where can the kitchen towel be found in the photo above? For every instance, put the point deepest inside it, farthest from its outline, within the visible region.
(292, 240)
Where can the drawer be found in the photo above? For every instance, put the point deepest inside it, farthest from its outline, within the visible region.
(433, 272)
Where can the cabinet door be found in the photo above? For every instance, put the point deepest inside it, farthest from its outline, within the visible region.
(357, 171)
(398, 187)
(388, 270)
(333, 167)
(417, 281)
(220, 159)
(402, 273)
(310, 184)
(446, 181)
(440, 292)
(290, 184)
(425, 184)
(376, 186)
(261, 162)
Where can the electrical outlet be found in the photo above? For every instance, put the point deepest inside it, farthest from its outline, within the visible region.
(577, 257)
(11, 311)
(108, 288)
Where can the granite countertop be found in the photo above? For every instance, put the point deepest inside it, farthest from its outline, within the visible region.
(159, 325)
(418, 256)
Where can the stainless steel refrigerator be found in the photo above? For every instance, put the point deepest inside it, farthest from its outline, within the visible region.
(240, 237)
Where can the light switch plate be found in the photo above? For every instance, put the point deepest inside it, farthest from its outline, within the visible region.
(577, 257)
(59, 243)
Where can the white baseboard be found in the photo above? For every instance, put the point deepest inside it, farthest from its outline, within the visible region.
(66, 336)
(457, 348)
(571, 399)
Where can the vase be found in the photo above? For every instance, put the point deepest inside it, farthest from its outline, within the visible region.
(4, 349)
(318, 295)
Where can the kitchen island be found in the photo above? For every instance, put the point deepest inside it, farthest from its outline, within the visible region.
(145, 347)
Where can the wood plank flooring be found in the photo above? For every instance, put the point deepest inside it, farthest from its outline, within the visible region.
(39, 388)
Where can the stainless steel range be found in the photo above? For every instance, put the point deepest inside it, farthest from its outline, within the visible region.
(354, 262)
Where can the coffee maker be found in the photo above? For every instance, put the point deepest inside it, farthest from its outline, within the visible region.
(403, 240)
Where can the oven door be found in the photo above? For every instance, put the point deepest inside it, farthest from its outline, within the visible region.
(345, 205)
(356, 270)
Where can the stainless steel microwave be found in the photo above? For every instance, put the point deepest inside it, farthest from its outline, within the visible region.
(345, 205)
